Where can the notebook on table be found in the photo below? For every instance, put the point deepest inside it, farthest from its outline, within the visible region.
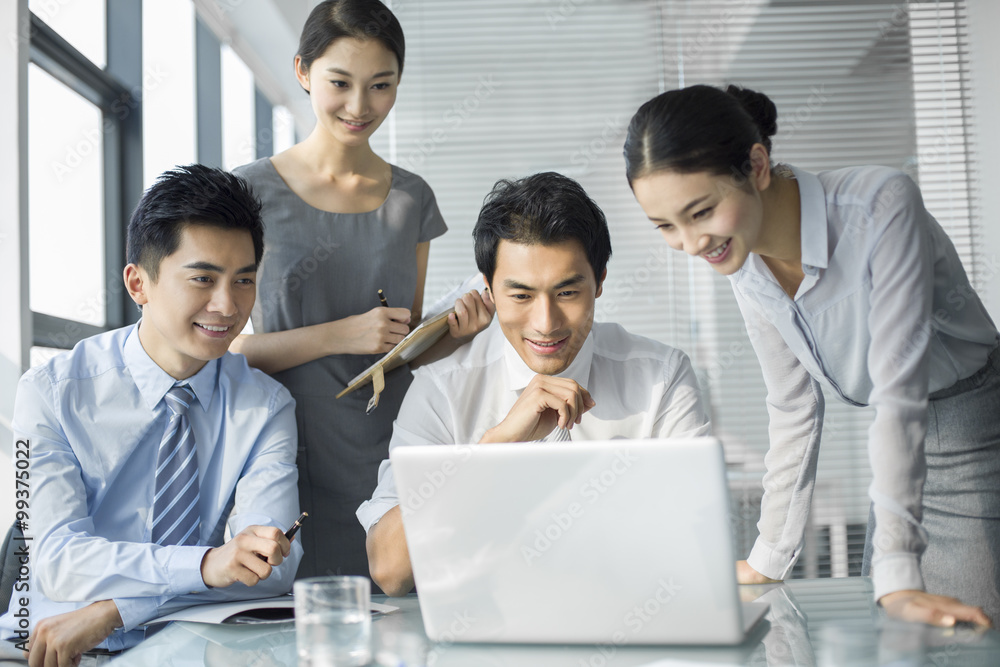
(616, 542)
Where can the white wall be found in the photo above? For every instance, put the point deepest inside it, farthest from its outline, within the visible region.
(984, 20)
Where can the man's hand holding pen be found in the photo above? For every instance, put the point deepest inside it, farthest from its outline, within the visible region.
(249, 557)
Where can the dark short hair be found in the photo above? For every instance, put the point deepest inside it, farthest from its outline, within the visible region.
(190, 195)
(542, 209)
(699, 128)
(360, 19)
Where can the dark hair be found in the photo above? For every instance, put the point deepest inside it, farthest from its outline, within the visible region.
(699, 128)
(542, 209)
(361, 19)
(191, 195)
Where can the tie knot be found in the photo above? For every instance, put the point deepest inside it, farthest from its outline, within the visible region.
(179, 399)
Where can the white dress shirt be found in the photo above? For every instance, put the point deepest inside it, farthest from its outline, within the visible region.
(642, 389)
(884, 316)
(93, 419)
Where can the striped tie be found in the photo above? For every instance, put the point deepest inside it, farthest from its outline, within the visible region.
(176, 518)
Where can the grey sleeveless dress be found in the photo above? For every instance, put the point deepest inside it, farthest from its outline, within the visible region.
(318, 267)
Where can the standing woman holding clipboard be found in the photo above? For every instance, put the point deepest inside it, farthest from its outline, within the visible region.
(342, 224)
(843, 279)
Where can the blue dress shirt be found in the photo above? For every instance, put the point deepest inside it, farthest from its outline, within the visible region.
(93, 418)
(883, 317)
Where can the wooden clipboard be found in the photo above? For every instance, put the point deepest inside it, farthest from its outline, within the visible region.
(416, 342)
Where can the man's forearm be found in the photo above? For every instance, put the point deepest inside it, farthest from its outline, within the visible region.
(82, 568)
(388, 555)
(62, 638)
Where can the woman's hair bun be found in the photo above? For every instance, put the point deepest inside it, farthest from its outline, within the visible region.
(760, 107)
(698, 128)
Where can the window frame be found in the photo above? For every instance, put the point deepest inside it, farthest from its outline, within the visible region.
(121, 113)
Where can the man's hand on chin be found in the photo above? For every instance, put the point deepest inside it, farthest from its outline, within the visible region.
(546, 403)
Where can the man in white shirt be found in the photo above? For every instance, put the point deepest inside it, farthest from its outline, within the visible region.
(543, 370)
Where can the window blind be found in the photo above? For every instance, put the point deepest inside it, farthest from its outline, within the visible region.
(505, 89)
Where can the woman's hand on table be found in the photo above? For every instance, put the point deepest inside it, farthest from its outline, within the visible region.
(939, 610)
(747, 575)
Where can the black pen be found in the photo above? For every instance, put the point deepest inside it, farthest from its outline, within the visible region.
(290, 533)
(381, 298)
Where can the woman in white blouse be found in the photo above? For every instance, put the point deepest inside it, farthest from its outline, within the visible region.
(844, 280)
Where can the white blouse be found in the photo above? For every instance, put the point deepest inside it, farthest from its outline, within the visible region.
(884, 316)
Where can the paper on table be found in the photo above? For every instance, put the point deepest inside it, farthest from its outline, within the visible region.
(224, 612)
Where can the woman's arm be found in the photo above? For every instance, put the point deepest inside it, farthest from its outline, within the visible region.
(795, 409)
(473, 313)
(901, 260)
(423, 252)
(901, 264)
(374, 332)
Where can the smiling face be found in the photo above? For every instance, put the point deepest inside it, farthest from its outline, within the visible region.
(544, 297)
(703, 214)
(352, 87)
(199, 302)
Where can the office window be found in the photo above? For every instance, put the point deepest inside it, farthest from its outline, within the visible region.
(283, 128)
(238, 136)
(524, 86)
(82, 23)
(65, 202)
(168, 86)
(84, 145)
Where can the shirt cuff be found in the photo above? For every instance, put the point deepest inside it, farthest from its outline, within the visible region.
(134, 612)
(184, 574)
(184, 570)
(121, 640)
(896, 572)
(770, 562)
(371, 511)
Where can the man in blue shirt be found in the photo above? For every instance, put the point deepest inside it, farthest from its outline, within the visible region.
(147, 442)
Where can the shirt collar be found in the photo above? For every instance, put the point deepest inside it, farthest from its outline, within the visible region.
(519, 374)
(153, 382)
(815, 247)
(815, 251)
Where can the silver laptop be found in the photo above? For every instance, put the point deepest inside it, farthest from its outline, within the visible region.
(617, 542)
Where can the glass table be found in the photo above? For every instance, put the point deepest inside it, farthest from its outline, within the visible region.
(823, 622)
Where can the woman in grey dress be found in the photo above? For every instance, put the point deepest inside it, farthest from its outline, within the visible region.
(341, 224)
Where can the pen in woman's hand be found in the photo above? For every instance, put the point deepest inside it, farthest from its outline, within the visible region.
(381, 298)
